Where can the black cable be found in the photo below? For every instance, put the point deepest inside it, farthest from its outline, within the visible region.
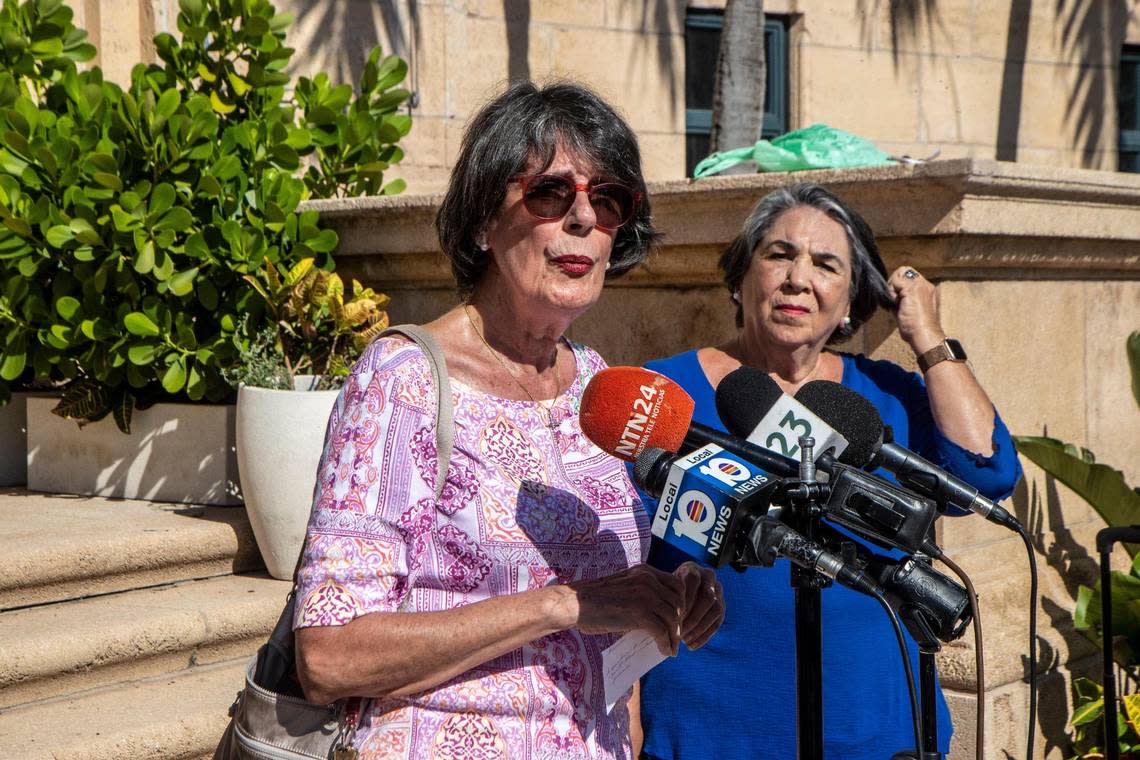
(979, 658)
(1032, 639)
(913, 692)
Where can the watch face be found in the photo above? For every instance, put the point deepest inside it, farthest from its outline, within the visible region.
(957, 353)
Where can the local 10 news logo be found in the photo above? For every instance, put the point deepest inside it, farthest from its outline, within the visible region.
(698, 506)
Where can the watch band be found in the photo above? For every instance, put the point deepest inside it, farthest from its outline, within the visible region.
(948, 350)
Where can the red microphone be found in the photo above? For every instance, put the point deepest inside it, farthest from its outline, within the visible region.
(626, 410)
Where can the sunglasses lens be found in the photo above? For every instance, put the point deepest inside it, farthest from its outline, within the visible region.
(549, 197)
(613, 205)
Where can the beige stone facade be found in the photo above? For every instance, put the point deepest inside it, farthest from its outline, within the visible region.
(1039, 277)
(1038, 269)
(1031, 81)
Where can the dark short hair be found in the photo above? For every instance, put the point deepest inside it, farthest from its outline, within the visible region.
(868, 274)
(528, 123)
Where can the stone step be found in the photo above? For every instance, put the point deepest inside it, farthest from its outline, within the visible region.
(55, 649)
(179, 716)
(67, 547)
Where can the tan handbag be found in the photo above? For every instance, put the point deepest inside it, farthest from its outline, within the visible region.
(270, 720)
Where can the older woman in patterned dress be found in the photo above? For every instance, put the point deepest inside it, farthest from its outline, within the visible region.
(477, 622)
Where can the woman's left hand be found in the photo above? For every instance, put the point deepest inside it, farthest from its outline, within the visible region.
(704, 604)
(917, 314)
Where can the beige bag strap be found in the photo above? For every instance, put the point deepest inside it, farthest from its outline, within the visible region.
(444, 437)
(444, 414)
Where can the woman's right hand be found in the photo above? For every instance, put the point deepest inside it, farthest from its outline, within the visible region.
(639, 597)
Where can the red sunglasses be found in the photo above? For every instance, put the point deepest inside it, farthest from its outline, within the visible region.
(550, 196)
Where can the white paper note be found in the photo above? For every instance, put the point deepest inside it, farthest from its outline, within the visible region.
(625, 661)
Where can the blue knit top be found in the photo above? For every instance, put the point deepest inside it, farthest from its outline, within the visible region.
(736, 697)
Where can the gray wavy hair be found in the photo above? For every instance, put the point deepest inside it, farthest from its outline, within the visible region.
(868, 274)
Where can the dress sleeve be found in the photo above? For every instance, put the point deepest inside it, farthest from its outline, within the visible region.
(375, 485)
(994, 476)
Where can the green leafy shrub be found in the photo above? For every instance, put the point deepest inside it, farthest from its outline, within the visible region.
(134, 220)
(38, 45)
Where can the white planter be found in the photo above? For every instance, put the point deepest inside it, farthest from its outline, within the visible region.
(279, 439)
(305, 382)
(175, 452)
(14, 441)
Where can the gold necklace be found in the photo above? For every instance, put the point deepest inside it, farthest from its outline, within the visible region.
(549, 410)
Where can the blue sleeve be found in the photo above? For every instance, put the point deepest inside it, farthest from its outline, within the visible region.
(994, 476)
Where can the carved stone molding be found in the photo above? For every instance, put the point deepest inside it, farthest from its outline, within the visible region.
(961, 219)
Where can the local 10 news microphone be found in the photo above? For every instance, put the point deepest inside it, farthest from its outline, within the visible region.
(714, 500)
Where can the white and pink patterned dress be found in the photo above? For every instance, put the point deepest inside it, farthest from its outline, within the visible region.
(523, 506)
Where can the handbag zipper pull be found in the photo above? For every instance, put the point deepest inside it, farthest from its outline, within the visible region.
(349, 720)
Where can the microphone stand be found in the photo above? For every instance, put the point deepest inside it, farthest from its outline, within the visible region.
(809, 629)
(928, 647)
(805, 516)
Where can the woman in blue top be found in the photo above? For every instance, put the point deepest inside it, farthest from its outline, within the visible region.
(804, 274)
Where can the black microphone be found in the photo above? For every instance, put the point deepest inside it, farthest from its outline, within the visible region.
(876, 509)
(776, 420)
(698, 436)
(933, 607)
(713, 507)
(871, 447)
(769, 538)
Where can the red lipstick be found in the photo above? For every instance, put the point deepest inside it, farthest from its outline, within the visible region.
(574, 265)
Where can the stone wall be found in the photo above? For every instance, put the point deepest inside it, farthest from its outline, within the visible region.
(914, 77)
(1016, 80)
(1026, 80)
(1039, 277)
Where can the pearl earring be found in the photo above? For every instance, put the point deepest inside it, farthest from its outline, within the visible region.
(847, 323)
(736, 296)
(608, 266)
(481, 242)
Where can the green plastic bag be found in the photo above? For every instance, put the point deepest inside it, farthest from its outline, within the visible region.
(816, 147)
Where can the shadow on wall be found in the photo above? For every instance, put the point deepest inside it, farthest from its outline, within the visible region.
(906, 21)
(1092, 35)
(657, 20)
(656, 16)
(339, 34)
(1037, 504)
(1089, 35)
(905, 18)
(1012, 79)
(517, 15)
